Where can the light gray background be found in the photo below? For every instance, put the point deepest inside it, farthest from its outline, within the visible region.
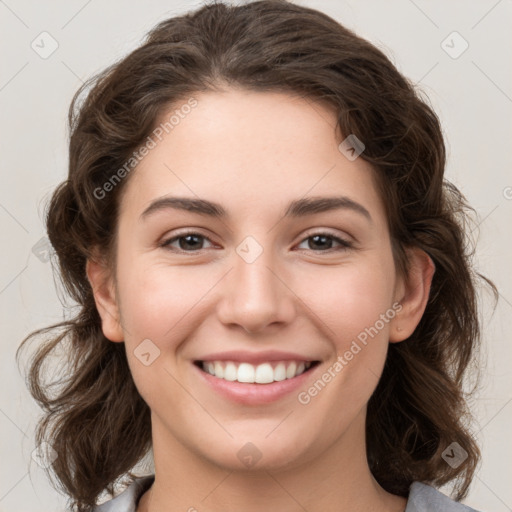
(472, 95)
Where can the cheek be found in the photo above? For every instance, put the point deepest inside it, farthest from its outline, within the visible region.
(157, 306)
(158, 301)
(353, 299)
(155, 298)
(361, 311)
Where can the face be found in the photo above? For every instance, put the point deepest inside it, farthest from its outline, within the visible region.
(261, 285)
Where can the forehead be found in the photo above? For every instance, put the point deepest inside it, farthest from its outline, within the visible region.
(250, 150)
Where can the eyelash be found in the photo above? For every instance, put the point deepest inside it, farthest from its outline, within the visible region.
(345, 244)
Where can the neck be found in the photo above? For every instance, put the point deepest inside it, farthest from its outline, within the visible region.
(337, 480)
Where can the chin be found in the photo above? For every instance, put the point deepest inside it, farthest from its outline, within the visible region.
(256, 453)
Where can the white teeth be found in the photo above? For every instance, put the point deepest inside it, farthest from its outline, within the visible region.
(290, 371)
(280, 372)
(245, 373)
(264, 373)
(230, 372)
(219, 370)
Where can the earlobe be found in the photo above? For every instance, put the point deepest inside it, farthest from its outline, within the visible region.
(414, 294)
(105, 299)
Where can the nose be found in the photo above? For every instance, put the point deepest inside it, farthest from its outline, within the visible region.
(255, 296)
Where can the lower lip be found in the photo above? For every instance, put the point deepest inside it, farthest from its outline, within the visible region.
(255, 394)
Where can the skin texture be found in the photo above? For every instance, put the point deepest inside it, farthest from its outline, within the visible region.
(254, 153)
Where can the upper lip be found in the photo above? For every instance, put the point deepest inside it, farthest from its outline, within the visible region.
(256, 357)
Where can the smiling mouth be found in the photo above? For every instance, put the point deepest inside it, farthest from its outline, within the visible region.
(264, 373)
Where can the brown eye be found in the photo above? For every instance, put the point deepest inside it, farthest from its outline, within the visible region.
(187, 242)
(318, 242)
(324, 241)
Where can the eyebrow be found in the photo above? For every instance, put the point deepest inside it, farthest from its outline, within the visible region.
(297, 208)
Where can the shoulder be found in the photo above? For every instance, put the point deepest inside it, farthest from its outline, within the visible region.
(127, 500)
(424, 498)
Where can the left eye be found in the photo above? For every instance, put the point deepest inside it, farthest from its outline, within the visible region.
(321, 238)
(189, 242)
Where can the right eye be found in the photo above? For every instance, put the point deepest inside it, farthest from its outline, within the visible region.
(188, 242)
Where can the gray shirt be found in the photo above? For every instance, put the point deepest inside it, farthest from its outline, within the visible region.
(422, 498)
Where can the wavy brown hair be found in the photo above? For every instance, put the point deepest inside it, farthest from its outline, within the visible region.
(95, 419)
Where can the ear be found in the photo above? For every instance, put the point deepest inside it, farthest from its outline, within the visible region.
(105, 298)
(412, 294)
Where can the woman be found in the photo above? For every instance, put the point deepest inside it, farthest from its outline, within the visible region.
(275, 288)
